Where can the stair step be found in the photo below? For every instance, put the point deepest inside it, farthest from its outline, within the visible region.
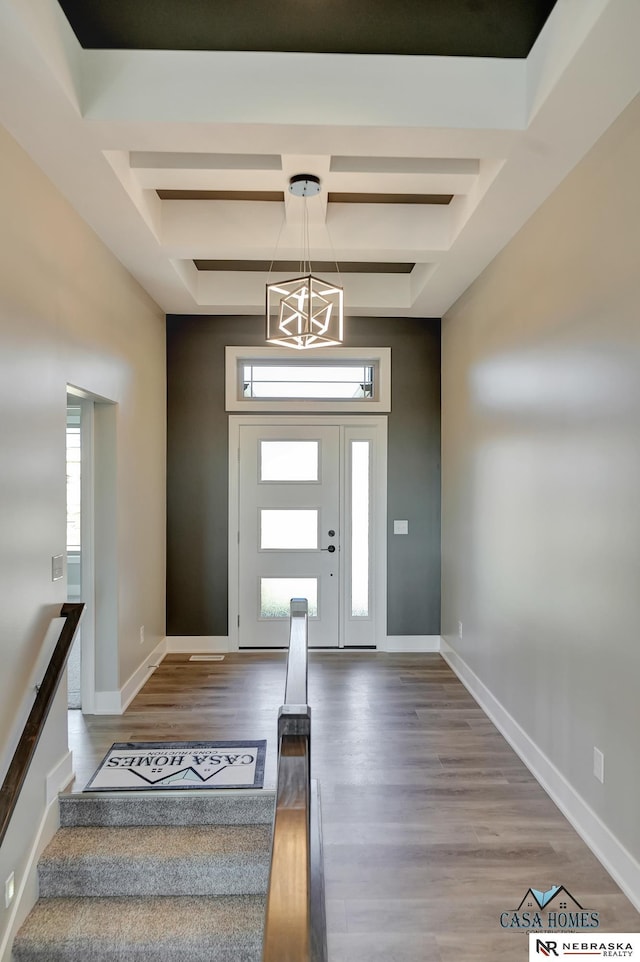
(211, 929)
(156, 860)
(175, 808)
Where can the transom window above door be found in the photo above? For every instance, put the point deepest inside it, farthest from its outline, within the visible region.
(336, 379)
(318, 382)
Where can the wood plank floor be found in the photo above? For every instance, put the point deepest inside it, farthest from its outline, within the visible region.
(432, 825)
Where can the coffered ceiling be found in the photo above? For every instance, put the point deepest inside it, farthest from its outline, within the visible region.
(437, 127)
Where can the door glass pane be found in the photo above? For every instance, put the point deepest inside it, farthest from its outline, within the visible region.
(289, 460)
(276, 595)
(360, 529)
(288, 529)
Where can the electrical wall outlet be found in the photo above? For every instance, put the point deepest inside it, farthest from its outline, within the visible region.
(9, 890)
(460, 630)
(142, 634)
(598, 764)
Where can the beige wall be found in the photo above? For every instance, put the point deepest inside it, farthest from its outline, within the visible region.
(70, 314)
(541, 477)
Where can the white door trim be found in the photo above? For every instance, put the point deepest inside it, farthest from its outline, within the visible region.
(379, 514)
(86, 636)
(87, 559)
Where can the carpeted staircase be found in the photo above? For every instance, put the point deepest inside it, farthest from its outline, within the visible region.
(153, 878)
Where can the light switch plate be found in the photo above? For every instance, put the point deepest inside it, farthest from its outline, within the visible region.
(401, 527)
(598, 764)
(9, 890)
(57, 567)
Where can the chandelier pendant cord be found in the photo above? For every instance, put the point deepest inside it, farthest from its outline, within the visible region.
(275, 249)
(303, 251)
(333, 252)
(305, 266)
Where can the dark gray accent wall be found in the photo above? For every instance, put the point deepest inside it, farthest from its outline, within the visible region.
(197, 468)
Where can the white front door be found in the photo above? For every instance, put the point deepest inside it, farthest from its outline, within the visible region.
(289, 542)
(299, 486)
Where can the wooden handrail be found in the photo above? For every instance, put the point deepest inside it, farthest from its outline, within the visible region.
(295, 923)
(45, 694)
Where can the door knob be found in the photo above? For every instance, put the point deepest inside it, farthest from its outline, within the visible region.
(330, 549)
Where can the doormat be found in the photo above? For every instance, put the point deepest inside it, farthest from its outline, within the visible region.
(140, 766)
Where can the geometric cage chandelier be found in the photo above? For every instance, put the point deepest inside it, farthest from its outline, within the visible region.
(305, 312)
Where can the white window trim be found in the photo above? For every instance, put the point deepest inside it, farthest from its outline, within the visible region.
(380, 356)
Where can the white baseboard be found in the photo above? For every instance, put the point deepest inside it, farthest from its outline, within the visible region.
(201, 644)
(107, 703)
(27, 889)
(59, 777)
(616, 859)
(411, 643)
(197, 644)
(115, 702)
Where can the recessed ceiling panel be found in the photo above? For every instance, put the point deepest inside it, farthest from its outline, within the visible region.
(405, 165)
(239, 195)
(172, 160)
(445, 28)
(353, 198)
(293, 267)
(333, 197)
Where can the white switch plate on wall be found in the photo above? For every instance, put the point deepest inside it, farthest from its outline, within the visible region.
(9, 890)
(401, 527)
(598, 764)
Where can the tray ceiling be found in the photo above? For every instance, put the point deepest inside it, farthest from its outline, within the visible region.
(431, 154)
(441, 28)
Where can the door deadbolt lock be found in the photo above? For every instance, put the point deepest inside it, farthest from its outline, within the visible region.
(331, 533)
